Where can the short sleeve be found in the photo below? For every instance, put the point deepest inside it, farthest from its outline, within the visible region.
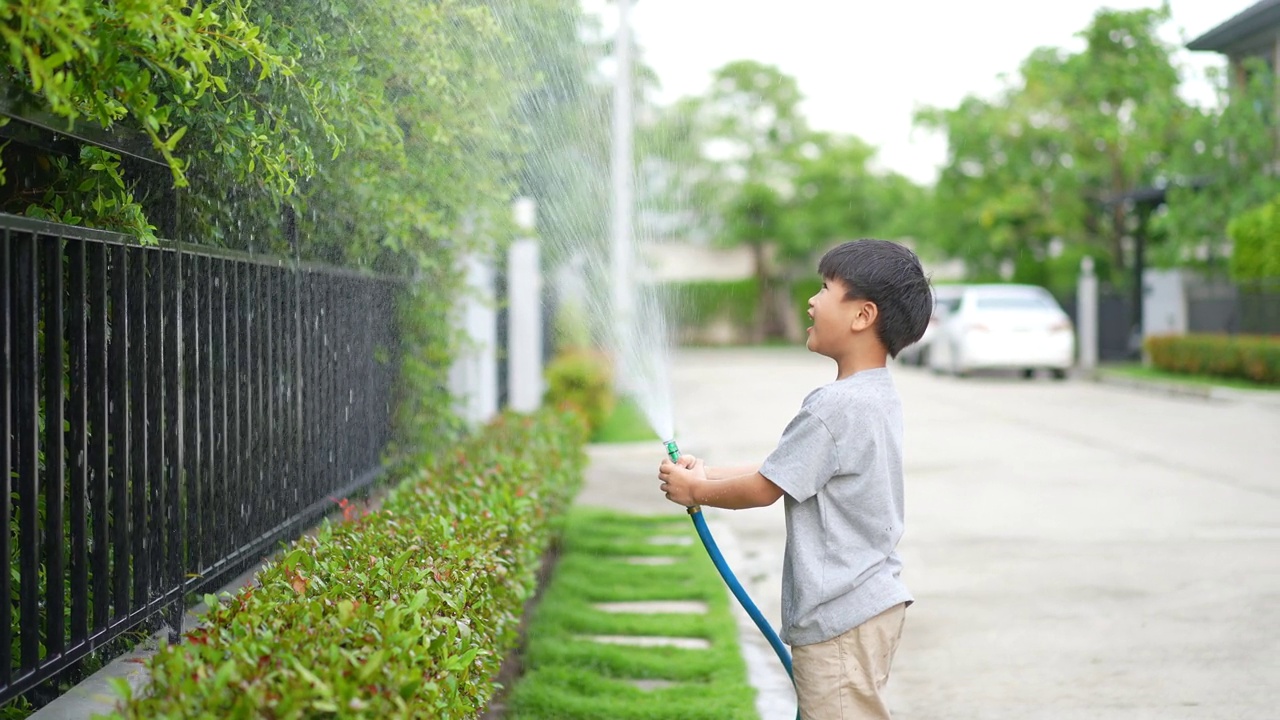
(805, 458)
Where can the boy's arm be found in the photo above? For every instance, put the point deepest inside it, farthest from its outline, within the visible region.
(690, 483)
(739, 492)
(727, 472)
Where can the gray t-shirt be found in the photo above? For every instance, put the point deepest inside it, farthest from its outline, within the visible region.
(840, 464)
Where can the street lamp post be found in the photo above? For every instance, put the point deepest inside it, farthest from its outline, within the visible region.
(622, 189)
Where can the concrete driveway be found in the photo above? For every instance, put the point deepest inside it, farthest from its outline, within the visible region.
(1076, 550)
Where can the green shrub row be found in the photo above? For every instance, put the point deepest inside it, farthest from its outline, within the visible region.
(405, 612)
(699, 303)
(696, 305)
(1249, 357)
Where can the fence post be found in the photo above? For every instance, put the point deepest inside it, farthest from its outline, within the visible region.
(1087, 315)
(525, 293)
(474, 375)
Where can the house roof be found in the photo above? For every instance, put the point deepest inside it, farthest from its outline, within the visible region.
(1248, 23)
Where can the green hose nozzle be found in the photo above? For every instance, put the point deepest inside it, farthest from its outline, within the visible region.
(673, 451)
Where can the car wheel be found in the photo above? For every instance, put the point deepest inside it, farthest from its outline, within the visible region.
(955, 364)
(1059, 374)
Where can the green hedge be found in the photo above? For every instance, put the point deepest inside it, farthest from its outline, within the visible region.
(405, 612)
(1250, 357)
(698, 304)
(703, 302)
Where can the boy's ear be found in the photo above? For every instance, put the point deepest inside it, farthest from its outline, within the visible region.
(865, 313)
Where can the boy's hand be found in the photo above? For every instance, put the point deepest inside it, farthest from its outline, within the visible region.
(679, 479)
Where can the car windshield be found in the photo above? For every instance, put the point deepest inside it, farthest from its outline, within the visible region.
(1014, 302)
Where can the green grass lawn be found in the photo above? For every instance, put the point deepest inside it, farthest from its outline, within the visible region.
(567, 677)
(625, 424)
(1142, 372)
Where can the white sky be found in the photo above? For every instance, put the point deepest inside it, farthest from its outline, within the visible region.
(864, 67)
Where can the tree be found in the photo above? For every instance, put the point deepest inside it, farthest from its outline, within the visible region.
(751, 133)
(1025, 187)
(1229, 152)
(739, 166)
(839, 195)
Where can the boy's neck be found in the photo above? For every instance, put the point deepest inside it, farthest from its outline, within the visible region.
(858, 359)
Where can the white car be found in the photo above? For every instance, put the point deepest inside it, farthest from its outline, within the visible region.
(945, 300)
(1005, 327)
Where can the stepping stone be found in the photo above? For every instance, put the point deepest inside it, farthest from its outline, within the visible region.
(648, 685)
(651, 560)
(655, 607)
(670, 540)
(686, 643)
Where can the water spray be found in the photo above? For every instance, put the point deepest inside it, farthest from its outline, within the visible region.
(708, 542)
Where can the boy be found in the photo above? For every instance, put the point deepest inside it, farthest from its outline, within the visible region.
(839, 465)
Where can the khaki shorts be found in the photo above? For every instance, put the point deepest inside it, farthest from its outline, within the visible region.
(844, 678)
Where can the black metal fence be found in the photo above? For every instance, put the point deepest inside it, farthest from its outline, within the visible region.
(1251, 308)
(1117, 325)
(1212, 306)
(168, 415)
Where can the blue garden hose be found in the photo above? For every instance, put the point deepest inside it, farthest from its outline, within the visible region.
(704, 534)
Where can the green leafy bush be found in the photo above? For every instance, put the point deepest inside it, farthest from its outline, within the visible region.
(1250, 357)
(582, 379)
(405, 612)
(1255, 234)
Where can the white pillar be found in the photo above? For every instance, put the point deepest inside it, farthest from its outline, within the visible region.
(1087, 315)
(524, 313)
(473, 378)
(621, 255)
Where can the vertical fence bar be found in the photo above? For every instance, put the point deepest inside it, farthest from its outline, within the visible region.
(206, 292)
(328, 432)
(156, 445)
(288, 374)
(7, 377)
(98, 448)
(315, 401)
(368, 453)
(284, 372)
(78, 416)
(218, 389)
(338, 308)
(26, 407)
(302, 496)
(244, 397)
(345, 444)
(172, 455)
(307, 385)
(259, 404)
(143, 355)
(394, 354)
(121, 427)
(273, 483)
(192, 339)
(54, 448)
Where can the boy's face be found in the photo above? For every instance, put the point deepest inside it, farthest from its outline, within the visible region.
(833, 318)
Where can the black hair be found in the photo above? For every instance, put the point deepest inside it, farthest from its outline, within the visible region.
(890, 276)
